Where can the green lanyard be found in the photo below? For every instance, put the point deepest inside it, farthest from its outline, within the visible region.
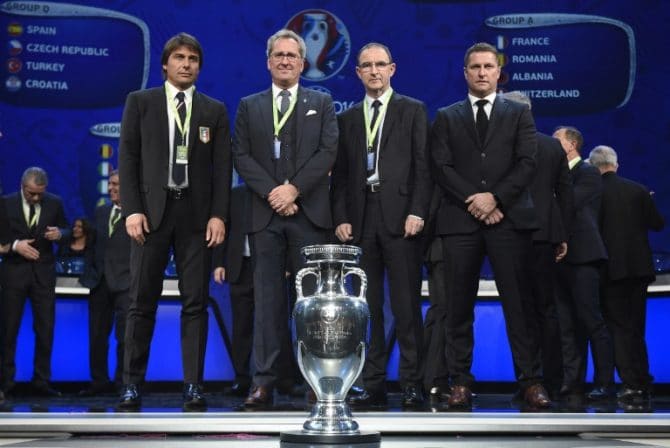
(370, 133)
(278, 125)
(183, 127)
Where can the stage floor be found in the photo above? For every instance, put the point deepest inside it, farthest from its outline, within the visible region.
(496, 420)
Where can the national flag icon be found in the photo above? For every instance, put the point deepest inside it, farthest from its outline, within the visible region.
(14, 47)
(103, 169)
(13, 83)
(501, 42)
(101, 201)
(15, 29)
(502, 59)
(102, 186)
(14, 65)
(106, 151)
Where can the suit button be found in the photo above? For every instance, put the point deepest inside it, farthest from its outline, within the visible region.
(483, 155)
(483, 182)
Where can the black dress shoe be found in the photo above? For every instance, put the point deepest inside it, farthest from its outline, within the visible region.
(44, 390)
(632, 395)
(194, 399)
(368, 398)
(260, 397)
(130, 400)
(437, 394)
(238, 390)
(356, 390)
(601, 393)
(412, 397)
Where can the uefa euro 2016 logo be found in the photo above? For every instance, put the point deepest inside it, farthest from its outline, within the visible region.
(327, 40)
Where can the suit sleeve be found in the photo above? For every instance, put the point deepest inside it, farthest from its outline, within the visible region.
(444, 172)
(340, 178)
(654, 219)
(222, 165)
(130, 157)
(521, 175)
(563, 189)
(322, 159)
(423, 183)
(254, 175)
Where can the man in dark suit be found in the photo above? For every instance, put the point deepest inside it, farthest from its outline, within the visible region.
(107, 274)
(483, 149)
(175, 170)
(579, 312)
(381, 191)
(628, 212)
(285, 145)
(36, 221)
(552, 195)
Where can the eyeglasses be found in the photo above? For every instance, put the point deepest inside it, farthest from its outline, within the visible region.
(278, 57)
(367, 66)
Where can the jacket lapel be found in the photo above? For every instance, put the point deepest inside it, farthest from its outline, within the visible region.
(465, 111)
(390, 119)
(498, 110)
(300, 110)
(196, 113)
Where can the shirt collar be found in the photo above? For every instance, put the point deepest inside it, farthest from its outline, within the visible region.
(573, 162)
(384, 99)
(172, 92)
(276, 90)
(473, 99)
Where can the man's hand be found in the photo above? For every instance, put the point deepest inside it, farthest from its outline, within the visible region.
(344, 232)
(281, 196)
(216, 232)
(27, 251)
(219, 275)
(289, 210)
(137, 226)
(413, 225)
(494, 217)
(480, 205)
(52, 233)
(561, 251)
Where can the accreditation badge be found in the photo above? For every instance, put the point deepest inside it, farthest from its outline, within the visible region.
(203, 133)
(182, 155)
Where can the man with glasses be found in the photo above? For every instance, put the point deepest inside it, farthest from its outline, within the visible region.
(381, 193)
(284, 147)
(36, 221)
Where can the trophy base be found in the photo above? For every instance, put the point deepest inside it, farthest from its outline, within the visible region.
(359, 439)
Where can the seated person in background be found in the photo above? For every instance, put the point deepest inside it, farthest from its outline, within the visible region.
(75, 248)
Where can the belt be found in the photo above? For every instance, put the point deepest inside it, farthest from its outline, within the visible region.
(176, 193)
(374, 188)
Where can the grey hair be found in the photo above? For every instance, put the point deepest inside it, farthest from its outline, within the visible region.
(518, 97)
(35, 174)
(286, 34)
(603, 155)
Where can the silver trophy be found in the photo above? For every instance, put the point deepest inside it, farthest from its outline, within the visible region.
(331, 332)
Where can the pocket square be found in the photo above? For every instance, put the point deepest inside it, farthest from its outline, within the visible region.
(310, 112)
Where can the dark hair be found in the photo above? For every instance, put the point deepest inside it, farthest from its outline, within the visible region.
(573, 135)
(373, 45)
(180, 40)
(479, 47)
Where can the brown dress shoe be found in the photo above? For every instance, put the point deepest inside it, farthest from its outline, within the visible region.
(259, 397)
(461, 397)
(536, 397)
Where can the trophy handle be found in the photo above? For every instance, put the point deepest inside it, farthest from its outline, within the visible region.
(298, 280)
(361, 275)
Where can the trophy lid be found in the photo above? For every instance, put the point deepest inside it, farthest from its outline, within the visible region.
(331, 252)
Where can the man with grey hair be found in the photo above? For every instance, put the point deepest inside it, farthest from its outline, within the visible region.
(36, 222)
(284, 147)
(628, 212)
(552, 195)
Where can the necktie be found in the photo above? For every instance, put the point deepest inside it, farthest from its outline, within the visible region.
(32, 219)
(285, 101)
(179, 169)
(482, 120)
(113, 219)
(375, 116)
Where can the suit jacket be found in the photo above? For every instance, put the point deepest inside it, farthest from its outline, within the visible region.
(551, 190)
(315, 154)
(504, 164)
(231, 253)
(144, 154)
(5, 235)
(110, 258)
(403, 166)
(52, 214)
(585, 244)
(628, 212)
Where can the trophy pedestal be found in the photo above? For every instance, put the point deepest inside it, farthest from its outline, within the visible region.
(358, 439)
